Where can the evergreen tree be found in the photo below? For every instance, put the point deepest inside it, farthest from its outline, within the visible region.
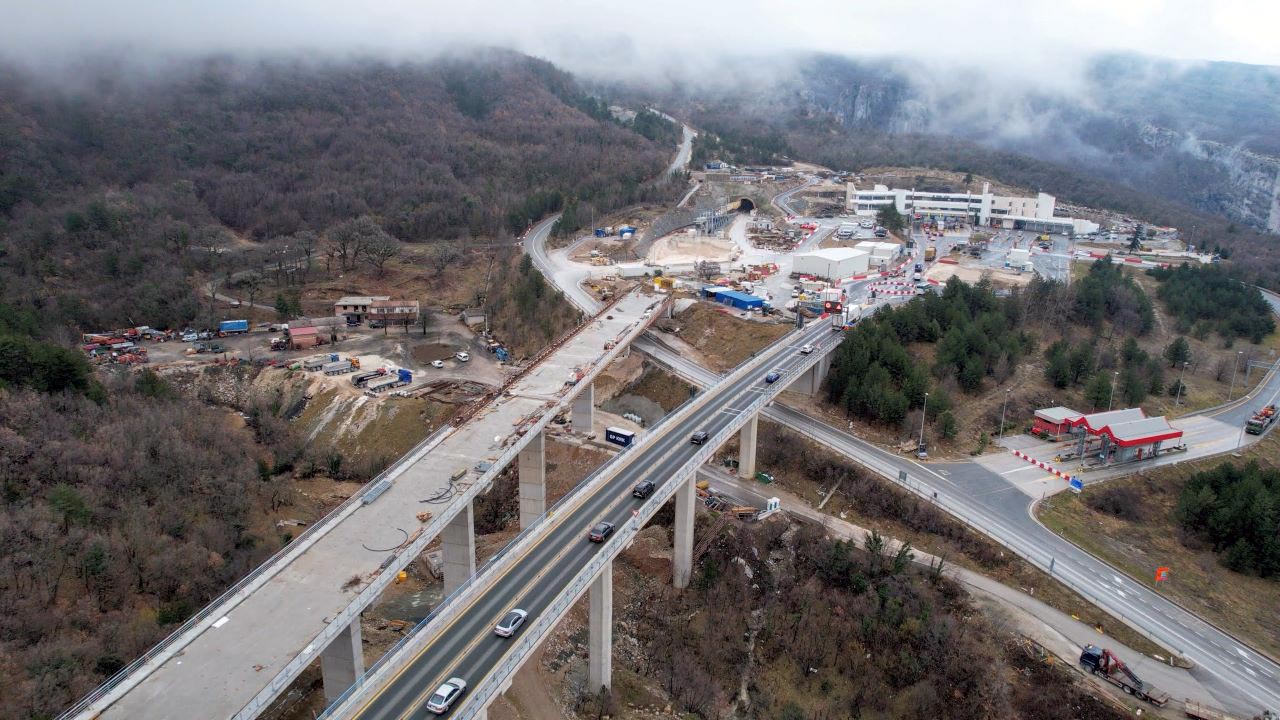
(890, 219)
(1098, 392)
(1178, 351)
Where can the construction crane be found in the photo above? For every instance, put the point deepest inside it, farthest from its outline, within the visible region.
(1106, 665)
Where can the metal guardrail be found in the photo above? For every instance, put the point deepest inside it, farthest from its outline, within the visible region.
(497, 679)
(877, 465)
(227, 601)
(450, 606)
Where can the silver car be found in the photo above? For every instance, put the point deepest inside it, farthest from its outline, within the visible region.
(446, 695)
(510, 623)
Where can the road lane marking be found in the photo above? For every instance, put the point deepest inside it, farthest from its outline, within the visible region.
(562, 517)
(1021, 469)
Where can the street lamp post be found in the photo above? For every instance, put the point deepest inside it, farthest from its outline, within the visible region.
(1177, 399)
(1115, 376)
(924, 413)
(1003, 405)
(1234, 368)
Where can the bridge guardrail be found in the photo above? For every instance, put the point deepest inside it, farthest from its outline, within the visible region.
(450, 606)
(223, 603)
(387, 573)
(491, 684)
(1046, 563)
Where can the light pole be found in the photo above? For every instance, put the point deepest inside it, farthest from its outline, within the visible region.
(1115, 376)
(1236, 366)
(1003, 405)
(924, 413)
(1177, 399)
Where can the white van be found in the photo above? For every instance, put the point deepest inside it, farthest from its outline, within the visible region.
(462, 356)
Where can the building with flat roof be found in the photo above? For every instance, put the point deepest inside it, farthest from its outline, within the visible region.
(1036, 214)
(739, 300)
(394, 311)
(832, 263)
(355, 307)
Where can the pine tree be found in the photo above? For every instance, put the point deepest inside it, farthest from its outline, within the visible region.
(1178, 351)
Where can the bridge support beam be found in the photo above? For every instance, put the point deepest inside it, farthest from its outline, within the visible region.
(600, 631)
(533, 480)
(747, 448)
(342, 662)
(584, 410)
(811, 382)
(459, 549)
(682, 542)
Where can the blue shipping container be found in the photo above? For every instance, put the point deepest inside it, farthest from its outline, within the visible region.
(742, 301)
(618, 436)
(233, 326)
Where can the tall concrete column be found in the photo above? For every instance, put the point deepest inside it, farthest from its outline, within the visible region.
(682, 550)
(584, 410)
(459, 549)
(533, 480)
(342, 662)
(600, 631)
(747, 447)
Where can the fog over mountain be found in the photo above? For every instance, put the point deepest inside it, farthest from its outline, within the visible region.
(1074, 82)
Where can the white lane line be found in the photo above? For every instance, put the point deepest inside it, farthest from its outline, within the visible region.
(1021, 469)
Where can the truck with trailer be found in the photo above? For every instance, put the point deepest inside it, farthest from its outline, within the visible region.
(1261, 420)
(341, 367)
(1106, 665)
(931, 253)
(233, 327)
(315, 363)
(362, 379)
(399, 378)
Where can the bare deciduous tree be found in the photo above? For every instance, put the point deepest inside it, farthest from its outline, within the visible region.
(380, 249)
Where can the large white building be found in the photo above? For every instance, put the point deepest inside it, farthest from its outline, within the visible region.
(832, 263)
(984, 208)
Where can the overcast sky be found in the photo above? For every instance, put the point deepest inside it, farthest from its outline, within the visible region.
(613, 39)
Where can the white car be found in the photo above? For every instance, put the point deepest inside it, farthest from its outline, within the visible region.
(510, 623)
(446, 695)
(437, 363)
(462, 357)
(190, 337)
(806, 349)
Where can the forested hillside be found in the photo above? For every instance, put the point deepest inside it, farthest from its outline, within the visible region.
(114, 189)
(123, 509)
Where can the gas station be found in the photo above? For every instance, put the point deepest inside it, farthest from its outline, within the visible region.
(1107, 438)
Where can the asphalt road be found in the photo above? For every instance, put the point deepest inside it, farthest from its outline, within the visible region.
(1239, 677)
(467, 648)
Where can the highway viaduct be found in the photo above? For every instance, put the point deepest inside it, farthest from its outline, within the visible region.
(551, 564)
(236, 655)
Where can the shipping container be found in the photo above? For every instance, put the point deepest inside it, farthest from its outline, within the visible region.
(618, 436)
(233, 326)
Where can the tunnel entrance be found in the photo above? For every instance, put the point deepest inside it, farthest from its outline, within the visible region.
(743, 205)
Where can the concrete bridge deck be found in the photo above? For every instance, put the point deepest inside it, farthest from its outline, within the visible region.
(242, 651)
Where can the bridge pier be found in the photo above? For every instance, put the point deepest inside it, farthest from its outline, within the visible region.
(342, 662)
(583, 414)
(458, 549)
(811, 382)
(682, 542)
(600, 631)
(747, 447)
(533, 480)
